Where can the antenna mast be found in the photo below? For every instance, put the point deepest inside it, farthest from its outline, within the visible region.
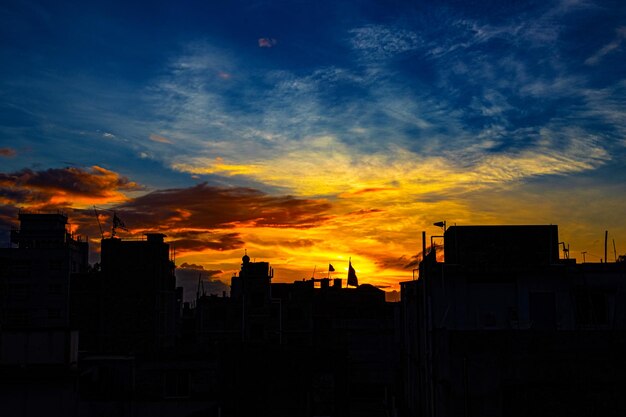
(606, 238)
(99, 224)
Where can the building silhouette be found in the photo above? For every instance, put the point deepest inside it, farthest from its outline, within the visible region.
(140, 305)
(36, 272)
(302, 348)
(38, 347)
(503, 327)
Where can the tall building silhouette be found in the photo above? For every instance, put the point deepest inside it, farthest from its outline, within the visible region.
(139, 305)
(38, 347)
(36, 272)
(503, 327)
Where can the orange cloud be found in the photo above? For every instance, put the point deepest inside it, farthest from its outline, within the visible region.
(7, 152)
(64, 186)
(364, 212)
(159, 138)
(370, 190)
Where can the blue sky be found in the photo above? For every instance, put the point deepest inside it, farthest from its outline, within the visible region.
(454, 108)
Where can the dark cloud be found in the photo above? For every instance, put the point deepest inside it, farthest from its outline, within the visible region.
(193, 218)
(293, 243)
(7, 152)
(185, 265)
(47, 186)
(226, 241)
(365, 212)
(415, 260)
(404, 261)
(298, 243)
(390, 262)
(373, 190)
(206, 207)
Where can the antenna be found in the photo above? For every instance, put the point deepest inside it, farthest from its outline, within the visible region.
(606, 238)
(99, 224)
(200, 285)
(614, 250)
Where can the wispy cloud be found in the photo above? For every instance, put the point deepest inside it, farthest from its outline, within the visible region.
(294, 138)
(615, 44)
(159, 138)
(381, 42)
(267, 42)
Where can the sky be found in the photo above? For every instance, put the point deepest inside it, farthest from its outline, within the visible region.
(310, 133)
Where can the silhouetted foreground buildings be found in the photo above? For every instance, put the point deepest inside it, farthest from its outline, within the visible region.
(502, 327)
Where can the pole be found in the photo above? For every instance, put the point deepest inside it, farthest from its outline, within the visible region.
(99, 224)
(606, 238)
(614, 251)
(423, 245)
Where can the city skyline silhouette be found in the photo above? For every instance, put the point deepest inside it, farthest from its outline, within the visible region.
(479, 330)
(347, 208)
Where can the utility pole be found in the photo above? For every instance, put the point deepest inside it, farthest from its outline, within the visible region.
(606, 238)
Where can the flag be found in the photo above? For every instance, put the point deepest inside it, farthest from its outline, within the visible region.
(118, 223)
(330, 268)
(352, 279)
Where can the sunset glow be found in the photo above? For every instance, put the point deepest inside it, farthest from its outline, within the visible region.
(307, 144)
